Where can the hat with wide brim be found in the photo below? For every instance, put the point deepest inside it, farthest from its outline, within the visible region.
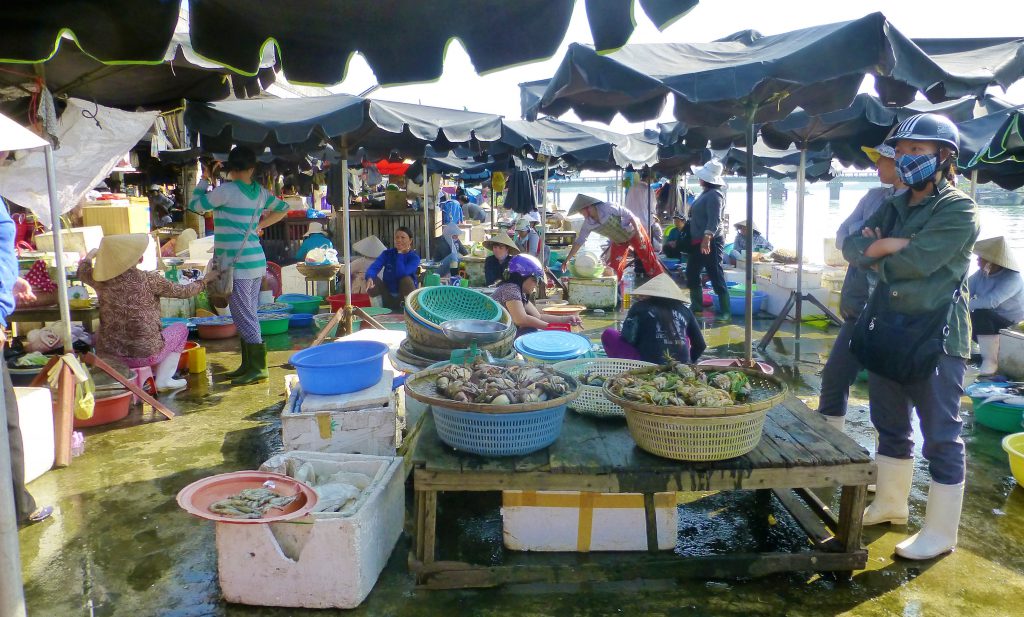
(184, 239)
(743, 223)
(314, 228)
(711, 172)
(661, 286)
(370, 246)
(879, 151)
(503, 239)
(117, 254)
(996, 251)
(582, 201)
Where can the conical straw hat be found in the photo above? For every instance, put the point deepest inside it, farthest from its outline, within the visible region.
(743, 223)
(582, 201)
(184, 239)
(661, 286)
(370, 246)
(995, 250)
(118, 254)
(503, 239)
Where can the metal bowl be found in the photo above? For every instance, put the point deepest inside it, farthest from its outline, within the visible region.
(174, 261)
(479, 330)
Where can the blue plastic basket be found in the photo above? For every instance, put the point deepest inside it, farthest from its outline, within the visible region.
(737, 303)
(499, 434)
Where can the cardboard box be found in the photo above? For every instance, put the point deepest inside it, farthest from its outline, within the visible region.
(396, 200)
(325, 560)
(35, 414)
(569, 521)
(117, 219)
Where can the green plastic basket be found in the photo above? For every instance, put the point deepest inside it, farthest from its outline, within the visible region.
(440, 304)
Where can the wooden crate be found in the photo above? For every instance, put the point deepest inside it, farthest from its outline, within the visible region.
(121, 219)
(396, 200)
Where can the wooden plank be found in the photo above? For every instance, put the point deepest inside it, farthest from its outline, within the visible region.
(851, 516)
(580, 448)
(598, 568)
(819, 447)
(817, 506)
(840, 440)
(651, 523)
(429, 526)
(816, 531)
(430, 452)
(788, 445)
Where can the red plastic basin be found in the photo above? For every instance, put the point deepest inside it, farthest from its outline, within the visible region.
(108, 409)
(337, 301)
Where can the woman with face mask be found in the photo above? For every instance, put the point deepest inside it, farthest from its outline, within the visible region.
(997, 298)
(919, 244)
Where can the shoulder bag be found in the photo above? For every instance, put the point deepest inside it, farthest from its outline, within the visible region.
(219, 291)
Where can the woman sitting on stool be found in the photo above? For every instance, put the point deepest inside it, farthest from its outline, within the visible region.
(448, 250)
(129, 299)
(502, 249)
(398, 267)
(658, 322)
(522, 276)
(997, 298)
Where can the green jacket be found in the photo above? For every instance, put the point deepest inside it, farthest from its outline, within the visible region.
(921, 277)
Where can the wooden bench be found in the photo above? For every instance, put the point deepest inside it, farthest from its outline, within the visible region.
(798, 452)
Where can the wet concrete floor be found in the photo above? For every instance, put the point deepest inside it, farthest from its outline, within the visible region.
(119, 545)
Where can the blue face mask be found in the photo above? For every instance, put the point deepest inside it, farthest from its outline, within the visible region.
(916, 170)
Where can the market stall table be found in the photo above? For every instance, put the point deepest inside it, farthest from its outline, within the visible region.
(52, 313)
(799, 451)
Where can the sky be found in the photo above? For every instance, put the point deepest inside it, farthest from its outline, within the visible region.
(461, 87)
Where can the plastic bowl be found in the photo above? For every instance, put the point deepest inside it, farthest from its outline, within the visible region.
(197, 497)
(320, 368)
(320, 322)
(274, 323)
(1014, 447)
(300, 320)
(218, 331)
(737, 303)
(996, 415)
(301, 303)
(108, 409)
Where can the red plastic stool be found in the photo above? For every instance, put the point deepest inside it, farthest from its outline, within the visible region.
(145, 381)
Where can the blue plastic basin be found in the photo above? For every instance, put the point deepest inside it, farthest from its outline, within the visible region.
(300, 320)
(337, 368)
(738, 304)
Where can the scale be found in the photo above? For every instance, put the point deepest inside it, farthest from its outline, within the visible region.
(172, 272)
(471, 332)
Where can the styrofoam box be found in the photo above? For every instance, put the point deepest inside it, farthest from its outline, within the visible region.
(594, 293)
(776, 298)
(785, 276)
(833, 256)
(356, 426)
(75, 239)
(569, 521)
(325, 560)
(1011, 354)
(177, 307)
(35, 415)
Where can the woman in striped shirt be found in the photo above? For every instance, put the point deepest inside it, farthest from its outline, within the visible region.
(237, 207)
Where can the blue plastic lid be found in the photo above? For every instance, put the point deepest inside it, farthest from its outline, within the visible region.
(553, 344)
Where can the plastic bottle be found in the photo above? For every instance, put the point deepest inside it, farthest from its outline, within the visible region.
(627, 288)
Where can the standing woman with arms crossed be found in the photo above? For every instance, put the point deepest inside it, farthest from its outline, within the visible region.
(237, 207)
(917, 331)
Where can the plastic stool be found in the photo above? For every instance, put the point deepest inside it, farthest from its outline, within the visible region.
(145, 381)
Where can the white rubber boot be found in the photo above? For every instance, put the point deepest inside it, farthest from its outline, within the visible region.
(376, 301)
(165, 374)
(895, 476)
(989, 346)
(839, 422)
(941, 520)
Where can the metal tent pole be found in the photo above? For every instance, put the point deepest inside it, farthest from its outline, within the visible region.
(974, 184)
(12, 593)
(346, 239)
(748, 324)
(801, 180)
(427, 207)
(544, 211)
(58, 250)
(767, 204)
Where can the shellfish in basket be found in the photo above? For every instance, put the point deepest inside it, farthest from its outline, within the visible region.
(500, 385)
(676, 383)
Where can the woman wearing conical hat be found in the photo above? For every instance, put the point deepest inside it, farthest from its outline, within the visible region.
(129, 299)
(657, 322)
(502, 249)
(620, 226)
(997, 298)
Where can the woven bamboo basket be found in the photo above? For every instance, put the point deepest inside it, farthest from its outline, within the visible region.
(592, 400)
(426, 339)
(696, 438)
(421, 387)
(767, 391)
(324, 272)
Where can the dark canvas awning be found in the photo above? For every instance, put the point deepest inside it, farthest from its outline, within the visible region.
(580, 145)
(993, 146)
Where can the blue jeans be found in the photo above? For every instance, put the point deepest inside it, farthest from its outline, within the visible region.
(446, 265)
(937, 400)
(839, 373)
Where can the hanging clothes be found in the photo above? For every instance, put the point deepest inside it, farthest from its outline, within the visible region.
(640, 201)
(521, 197)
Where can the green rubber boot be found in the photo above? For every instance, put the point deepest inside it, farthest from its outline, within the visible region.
(724, 311)
(257, 365)
(244, 368)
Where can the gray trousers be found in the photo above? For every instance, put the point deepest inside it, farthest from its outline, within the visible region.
(24, 505)
(839, 373)
(937, 400)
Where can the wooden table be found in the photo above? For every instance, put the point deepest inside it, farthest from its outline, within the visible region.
(798, 451)
(52, 313)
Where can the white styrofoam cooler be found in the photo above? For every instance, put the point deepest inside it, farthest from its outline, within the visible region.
(1011, 353)
(785, 276)
(35, 417)
(601, 292)
(365, 422)
(569, 521)
(777, 296)
(325, 560)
